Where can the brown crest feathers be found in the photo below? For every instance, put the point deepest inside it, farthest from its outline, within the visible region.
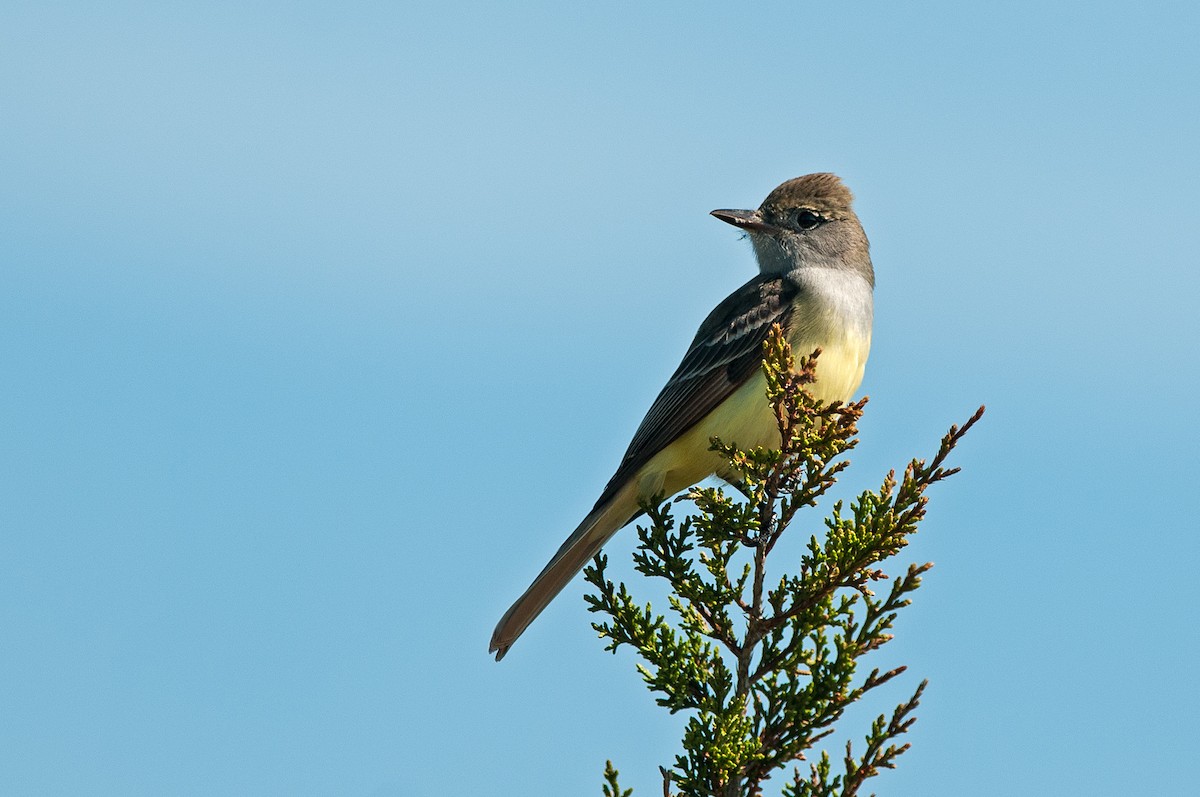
(822, 192)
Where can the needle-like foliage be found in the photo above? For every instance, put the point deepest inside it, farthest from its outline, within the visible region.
(766, 665)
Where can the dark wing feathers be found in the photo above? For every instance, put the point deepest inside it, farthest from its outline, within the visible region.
(726, 351)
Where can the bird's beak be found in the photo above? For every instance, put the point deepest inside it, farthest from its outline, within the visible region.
(746, 219)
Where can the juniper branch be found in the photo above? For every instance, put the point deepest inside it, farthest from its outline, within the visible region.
(766, 668)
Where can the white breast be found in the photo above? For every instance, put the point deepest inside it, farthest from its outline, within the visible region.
(835, 315)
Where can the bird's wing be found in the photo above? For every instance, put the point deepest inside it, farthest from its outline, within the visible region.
(726, 351)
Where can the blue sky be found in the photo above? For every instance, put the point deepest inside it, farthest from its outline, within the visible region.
(322, 324)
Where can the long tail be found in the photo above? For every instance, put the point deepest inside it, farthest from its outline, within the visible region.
(595, 530)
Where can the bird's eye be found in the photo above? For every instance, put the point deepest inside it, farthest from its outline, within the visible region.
(808, 220)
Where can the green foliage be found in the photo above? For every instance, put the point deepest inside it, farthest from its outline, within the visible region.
(611, 789)
(765, 666)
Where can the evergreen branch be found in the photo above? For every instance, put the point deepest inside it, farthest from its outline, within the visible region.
(766, 669)
(611, 788)
(877, 756)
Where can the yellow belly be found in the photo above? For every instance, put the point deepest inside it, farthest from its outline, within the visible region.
(745, 418)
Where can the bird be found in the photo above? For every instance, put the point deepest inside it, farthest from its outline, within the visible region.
(816, 281)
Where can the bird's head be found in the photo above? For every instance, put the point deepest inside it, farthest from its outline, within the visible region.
(807, 222)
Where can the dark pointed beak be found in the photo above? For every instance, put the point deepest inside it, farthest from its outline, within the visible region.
(746, 219)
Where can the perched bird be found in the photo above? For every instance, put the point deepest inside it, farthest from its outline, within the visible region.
(815, 280)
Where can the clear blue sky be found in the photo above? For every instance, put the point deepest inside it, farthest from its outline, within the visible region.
(322, 324)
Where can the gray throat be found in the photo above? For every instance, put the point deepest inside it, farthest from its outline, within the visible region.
(843, 293)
